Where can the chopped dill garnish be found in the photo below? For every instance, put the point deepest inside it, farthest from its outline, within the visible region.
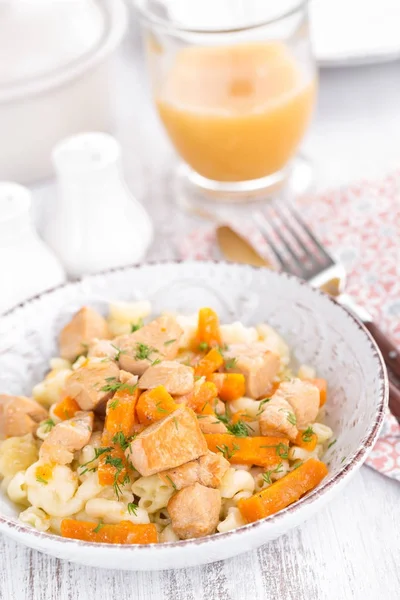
(239, 429)
(132, 508)
(307, 434)
(230, 363)
(97, 452)
(267, 475)
(117, 463)
(48, 425)
(282, 450)
(143, 351)
(297, 465)
(119, 352)
(260, 406)
(114, 385)
(41, 480)
(138, 325)
(171, 482)
(226, 452)
(123, 441)
(291, 417)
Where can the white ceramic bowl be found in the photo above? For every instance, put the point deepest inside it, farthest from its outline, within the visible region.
(318, 330)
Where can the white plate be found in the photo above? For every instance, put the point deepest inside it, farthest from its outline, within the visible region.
(354, 32)
(319, 331)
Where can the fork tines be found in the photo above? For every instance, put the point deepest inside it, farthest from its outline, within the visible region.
(292, 243)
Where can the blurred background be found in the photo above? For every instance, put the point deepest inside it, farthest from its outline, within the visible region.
(70, 66)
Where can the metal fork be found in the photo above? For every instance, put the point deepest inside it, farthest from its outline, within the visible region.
(296, 250)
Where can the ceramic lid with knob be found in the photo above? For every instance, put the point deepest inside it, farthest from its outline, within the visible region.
(47, 39)
(41, 37)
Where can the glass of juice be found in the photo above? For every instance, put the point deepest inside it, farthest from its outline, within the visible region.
(234, 83)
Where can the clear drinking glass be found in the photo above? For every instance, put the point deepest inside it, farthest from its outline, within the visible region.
(234, 84)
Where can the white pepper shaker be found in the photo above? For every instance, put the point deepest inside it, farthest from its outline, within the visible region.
(27, 266)
(97, 224)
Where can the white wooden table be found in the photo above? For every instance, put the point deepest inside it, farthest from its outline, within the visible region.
(351, 550)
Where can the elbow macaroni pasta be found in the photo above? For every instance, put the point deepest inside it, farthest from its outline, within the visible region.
(153, 493)
(247, 405)
(233, 520)
(236, 481)
(16, 489)
(323, 432)
(237, 333)
(125, 314)
(49, 390)
(36, 518)
(17, 454)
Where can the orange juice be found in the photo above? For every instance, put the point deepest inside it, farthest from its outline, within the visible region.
(236, 113)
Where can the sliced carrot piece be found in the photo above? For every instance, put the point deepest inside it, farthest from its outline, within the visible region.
(153, 405)
(110, 473)
(283, 492)
(210, 363)
(242, 415)
(67, 408)
(230, 386)
(208, 331)
(263, 451)
(307, 439)
(124, 532)
(202, 399)
(322, 385)
(120, 421)
(120, 413)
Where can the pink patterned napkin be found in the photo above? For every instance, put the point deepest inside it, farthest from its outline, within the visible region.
(360, 224)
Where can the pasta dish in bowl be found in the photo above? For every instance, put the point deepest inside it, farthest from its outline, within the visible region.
(156, 427)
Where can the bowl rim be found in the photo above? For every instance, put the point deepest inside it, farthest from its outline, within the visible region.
(349, 467)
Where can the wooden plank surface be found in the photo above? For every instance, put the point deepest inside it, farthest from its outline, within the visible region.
(351, 550)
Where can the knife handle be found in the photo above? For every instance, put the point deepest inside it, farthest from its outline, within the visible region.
(390, 353)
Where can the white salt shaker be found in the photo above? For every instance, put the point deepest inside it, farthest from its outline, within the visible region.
(27, 266)
(97, 224)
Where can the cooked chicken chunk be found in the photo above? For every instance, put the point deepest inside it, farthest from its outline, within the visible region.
(128, 378)
(176, 378)
(194, 511)
(102, 349)
(210, 424)
(207, 470)
(19, 415)
(159, 340)
(66, 438)
(258, 365)
(278, 419)
(87, 383)
(170, 442)
(303, 397)
(76, 336)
